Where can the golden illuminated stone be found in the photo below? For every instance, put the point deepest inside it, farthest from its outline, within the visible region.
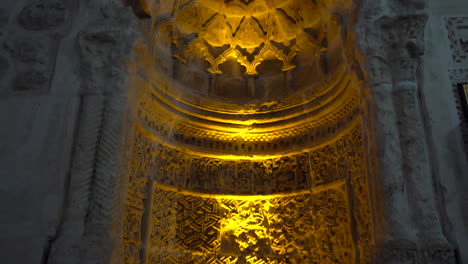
(274, 209)
(248, 31)
(227, 175)
(267, 229)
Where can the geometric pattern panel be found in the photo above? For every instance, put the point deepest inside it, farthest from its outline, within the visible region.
(294, 228)
(198, 224)
(184, 208)
(163, 219)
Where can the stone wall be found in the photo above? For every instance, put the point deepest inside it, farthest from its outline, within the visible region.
(39, 112)
(62, 76)
(445, 64)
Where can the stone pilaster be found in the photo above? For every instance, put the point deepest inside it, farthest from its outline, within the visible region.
(413, 231)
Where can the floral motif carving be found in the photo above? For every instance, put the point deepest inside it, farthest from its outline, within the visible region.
(337, 160)
(292, 218)
(332, 226)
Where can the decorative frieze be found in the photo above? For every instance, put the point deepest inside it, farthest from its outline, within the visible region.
(188, 170)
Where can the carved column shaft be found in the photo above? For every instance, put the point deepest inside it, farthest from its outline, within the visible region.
(405, 44)
(397, 212)
(404, 37)
(412, 226)
(416, 168)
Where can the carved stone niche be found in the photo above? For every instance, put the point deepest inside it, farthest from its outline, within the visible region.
(249, 51)
(246, 140)
(186, 66)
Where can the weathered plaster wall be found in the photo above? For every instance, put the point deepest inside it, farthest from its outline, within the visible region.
(61, 63)
(38, 115)
(443, 67)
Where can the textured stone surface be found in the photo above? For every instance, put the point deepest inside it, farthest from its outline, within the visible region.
(443, 67)
(33, 58)
(4, 17)
(29, 49)
(32, 81)
(37, 137)
(34, 158)
(42, 14)
(4, 66)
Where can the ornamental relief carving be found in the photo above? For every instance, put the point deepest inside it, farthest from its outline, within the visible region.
(259, 55)
(180, 132)
(298, 227)
(273, 170)
(195, 215)
(246, 31)
(190, 224)
(192, 171)
(457, 28)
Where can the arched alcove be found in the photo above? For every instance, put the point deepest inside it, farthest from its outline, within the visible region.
(247, 140)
